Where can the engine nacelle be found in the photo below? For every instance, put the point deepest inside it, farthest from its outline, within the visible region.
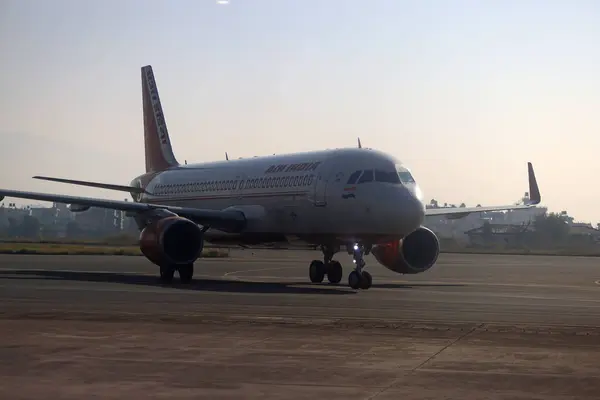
(172, 240)
(77, 208)
(414, 254)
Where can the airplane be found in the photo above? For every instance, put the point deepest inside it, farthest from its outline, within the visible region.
(362, 199)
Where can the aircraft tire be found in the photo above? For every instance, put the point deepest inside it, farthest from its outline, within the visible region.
(334, 272)
(354, 280)
(186, 273)
(366, 280)
(316, 271)
(166, 273)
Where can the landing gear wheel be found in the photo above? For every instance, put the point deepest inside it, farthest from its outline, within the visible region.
(354, 280)
(366, 280)
(334, 272)
(186, 273)
(316, 272)
(166, 273)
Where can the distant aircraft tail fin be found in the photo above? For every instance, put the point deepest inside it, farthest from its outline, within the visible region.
(159, 153)
(534, 191)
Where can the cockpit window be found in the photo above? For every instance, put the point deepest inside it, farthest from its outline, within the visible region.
(367, 176)
(353, 178)
(406, 177)
(387, 177)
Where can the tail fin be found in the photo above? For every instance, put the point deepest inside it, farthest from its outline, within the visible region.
(159, 153)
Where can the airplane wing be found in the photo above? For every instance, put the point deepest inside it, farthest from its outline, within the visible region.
(122, 188)
(229, 220)
(455, 213)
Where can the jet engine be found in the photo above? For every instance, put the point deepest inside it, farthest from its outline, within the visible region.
(414, 254)
(172, 240)
(77, 208)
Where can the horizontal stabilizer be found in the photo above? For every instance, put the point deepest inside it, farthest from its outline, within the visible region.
(121, 188)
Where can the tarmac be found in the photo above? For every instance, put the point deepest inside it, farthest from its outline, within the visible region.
(253, 326)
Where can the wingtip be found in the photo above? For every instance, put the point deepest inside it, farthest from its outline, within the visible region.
(534, 191)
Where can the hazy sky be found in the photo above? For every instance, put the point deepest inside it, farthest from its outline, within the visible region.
(464, 92)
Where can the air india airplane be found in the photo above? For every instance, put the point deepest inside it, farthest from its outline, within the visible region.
(362, 200)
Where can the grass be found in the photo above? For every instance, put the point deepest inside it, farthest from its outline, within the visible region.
(84, 249)
(566, 251)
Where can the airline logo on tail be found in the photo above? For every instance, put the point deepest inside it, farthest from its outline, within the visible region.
(158, 113)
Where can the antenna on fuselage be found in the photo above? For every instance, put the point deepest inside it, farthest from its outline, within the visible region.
(359, 145)
(226, 156)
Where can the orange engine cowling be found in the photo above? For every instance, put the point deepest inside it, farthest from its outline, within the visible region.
(414, 254)
(172, 240)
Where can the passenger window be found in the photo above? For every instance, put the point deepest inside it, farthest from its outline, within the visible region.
(367, 176)
(353, 178)
(386, 177)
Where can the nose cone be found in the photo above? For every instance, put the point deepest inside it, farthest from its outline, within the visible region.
(395, 210)
(413, 208)
(401, 212)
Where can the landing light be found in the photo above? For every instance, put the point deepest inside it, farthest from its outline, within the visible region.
(355, 247)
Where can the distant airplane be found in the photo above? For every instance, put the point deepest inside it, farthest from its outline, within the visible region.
(363, 200)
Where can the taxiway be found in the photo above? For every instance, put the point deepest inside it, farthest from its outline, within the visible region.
(252, 326)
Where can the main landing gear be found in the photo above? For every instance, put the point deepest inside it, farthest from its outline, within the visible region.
(358, 279)
(330, 267)
(167, 272)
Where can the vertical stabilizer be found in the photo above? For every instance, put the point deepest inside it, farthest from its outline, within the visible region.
(159, 153)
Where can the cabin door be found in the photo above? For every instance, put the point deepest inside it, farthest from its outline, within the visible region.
(323, 178)
(240, 182)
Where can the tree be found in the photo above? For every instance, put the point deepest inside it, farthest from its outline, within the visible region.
(30, 227)
(462, 205)
(72, 229)
(553, 227)
(13, 227)
(486, 232)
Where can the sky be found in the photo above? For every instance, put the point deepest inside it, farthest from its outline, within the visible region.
(465, 93)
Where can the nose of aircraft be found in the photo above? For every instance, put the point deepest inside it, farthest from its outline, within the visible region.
(412, 207)
(401, 210)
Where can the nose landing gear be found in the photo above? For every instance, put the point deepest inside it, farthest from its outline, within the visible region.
(358, 279)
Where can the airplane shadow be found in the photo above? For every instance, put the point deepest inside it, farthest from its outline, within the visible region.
(376, 285)
(198, 284)
(415, 285)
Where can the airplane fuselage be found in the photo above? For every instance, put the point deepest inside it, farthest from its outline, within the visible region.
(305, 196)
(361, 198)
